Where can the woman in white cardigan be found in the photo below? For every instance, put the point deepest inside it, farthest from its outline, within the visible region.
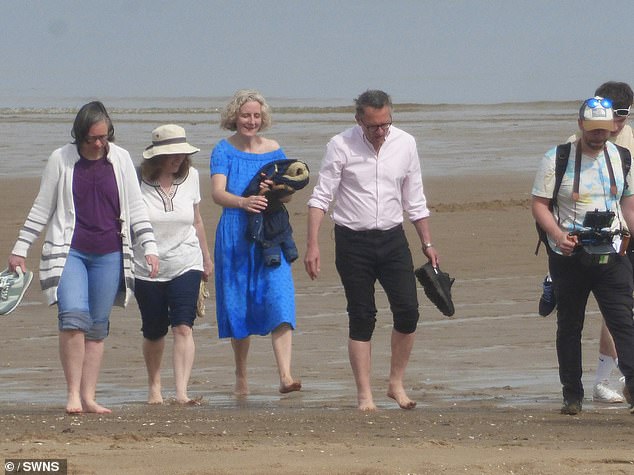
(90, 202)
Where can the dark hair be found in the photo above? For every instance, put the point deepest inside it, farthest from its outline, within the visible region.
(619, 93)
(151, 168)
(372, 98)
(89, 115)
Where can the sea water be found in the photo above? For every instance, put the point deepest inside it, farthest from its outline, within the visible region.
(452, 138)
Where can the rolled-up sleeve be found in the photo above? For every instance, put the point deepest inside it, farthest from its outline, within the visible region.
(414, 200)
(329, 178)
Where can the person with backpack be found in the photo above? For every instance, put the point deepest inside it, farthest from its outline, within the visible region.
(585, 221)
(622, 97)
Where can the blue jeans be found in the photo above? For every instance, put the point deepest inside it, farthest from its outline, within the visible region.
(86, 292)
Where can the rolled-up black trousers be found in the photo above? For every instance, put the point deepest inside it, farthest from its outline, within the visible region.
(361, 258)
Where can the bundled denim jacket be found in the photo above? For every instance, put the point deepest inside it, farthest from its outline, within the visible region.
(272, 228)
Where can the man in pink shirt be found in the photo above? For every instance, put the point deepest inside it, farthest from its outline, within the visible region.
(371, 176)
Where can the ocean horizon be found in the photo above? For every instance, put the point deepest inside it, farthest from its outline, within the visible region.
(452, 138)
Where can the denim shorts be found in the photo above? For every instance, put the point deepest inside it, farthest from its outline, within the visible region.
(167, 303)
(86, 292)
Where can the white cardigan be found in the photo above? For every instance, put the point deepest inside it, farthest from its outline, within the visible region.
(54, 209)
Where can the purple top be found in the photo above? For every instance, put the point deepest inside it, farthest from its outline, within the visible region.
(97, 209)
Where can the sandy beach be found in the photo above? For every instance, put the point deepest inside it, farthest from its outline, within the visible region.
(485, 380)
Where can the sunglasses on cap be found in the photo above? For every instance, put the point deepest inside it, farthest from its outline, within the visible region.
(595, 102)
(622, 112)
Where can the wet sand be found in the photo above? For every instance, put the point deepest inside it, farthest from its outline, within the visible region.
(485, 380)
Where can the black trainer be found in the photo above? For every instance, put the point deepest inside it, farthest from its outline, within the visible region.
(547, 301)
(629, 399)
(571, 408)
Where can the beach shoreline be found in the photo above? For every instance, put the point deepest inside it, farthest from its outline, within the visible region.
(485, 380)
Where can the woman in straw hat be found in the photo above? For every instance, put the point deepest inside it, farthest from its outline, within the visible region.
(171, 193)
(251, 298)
(90, 204)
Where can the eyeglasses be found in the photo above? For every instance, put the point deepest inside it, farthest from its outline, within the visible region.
(374, 128)
(622, 112)
(94, 138)
(595, 102)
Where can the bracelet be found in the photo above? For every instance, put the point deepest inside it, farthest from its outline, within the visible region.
(427, 245)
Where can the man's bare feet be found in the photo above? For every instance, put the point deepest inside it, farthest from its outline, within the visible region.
(289, 388)
(95, 408)
(401, 398)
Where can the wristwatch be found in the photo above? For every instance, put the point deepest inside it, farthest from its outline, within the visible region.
(427, 245)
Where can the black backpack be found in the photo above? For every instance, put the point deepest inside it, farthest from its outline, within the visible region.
(561, 163)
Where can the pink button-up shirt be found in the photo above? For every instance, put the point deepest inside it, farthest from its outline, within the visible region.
(370, 190)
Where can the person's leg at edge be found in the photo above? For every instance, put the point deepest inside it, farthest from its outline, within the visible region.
(153, 355)
(240, 353)
(360, 354)
(71, 354)
(614, 296)
(402, 344)
(183, 360)
(282, 341)
(607, 360)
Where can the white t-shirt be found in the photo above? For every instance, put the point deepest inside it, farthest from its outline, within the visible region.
(172, 218)
(594, 188)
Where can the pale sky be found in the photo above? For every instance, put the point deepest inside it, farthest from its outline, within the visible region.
(427, 51)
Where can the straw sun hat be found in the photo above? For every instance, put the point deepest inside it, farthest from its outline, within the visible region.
(168, 139)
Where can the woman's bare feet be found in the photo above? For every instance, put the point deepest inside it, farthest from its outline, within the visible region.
(292, 386)
(93, 407)
(73, 405)
(154, 395)
(190, 402)
(241, 389)
(401, 398)
(366, 405)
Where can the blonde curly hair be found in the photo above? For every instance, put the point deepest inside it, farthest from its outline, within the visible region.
(229, 114)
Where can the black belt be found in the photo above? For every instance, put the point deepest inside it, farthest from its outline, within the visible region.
(369, 232)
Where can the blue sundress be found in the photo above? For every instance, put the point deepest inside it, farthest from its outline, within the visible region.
(251, 298)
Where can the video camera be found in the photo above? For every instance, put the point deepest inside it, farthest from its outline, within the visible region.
(597, 230)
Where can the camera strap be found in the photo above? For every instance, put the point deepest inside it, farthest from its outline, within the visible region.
(608, 163)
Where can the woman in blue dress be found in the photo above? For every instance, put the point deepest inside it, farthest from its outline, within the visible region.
(251, 298)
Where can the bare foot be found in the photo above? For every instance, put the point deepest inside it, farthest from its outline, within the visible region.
(154, 395)
(241, 388)
(401, 398)
(73, 405)
(289, 388)
(366, 404)
(95, 408)
(367, 407)
(190, 402)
